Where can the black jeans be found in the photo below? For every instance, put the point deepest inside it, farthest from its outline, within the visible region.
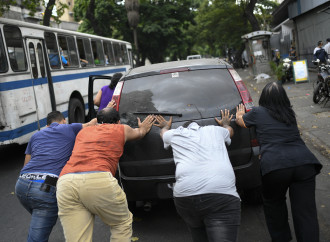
(301, 184)
(210, 217)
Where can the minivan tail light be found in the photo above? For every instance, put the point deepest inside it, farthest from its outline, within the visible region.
(117, 93)
(243, 91)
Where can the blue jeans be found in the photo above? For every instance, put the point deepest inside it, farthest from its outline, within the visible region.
(210, 217)
(41, 205)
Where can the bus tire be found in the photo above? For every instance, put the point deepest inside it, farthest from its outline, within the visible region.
(76, 111)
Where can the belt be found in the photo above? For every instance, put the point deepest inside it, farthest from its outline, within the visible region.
(48, 179)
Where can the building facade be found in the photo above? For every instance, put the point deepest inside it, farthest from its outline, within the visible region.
(301, 23)
(22, 14)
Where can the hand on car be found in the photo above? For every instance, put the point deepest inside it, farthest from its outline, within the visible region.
(225, 118)
(147, 123)
(163, 123)
(111, 104)
(240, 110)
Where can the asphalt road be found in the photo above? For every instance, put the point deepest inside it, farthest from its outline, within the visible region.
(162, 224)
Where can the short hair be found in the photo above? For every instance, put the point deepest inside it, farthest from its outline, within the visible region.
(114, 80)
(274, 98)
(54, 116)
(328, 39)
(108, 116)
(186, 124)
(319, 42)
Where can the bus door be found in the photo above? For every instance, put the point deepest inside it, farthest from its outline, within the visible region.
(39, 79)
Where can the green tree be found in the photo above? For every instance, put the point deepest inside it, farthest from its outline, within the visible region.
(34, 5)
(220, 25)
(102, 17)
(162, 28)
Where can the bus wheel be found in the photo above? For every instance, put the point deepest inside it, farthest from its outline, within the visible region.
(76, 111)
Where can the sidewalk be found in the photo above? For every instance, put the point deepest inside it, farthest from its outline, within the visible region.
(313, 119)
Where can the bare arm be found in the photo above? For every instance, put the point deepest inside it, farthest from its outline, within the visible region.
(240, 111)
(97, 99)
(163, 124)
(85, 61)
(225, 121)
(141, 131)
(90, 123)
(27, 159)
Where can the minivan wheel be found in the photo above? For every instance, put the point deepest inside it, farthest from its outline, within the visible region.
(252, 196)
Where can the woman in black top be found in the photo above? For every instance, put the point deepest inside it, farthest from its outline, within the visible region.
(286, 163)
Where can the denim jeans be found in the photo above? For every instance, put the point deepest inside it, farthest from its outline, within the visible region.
(210, 217)
(41, 205)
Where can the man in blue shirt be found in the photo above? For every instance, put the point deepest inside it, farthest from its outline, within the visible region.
(46, 154)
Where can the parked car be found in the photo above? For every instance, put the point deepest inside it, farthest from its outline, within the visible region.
(191, 57)
(187, 90)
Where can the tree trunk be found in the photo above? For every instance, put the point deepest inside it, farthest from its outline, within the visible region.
(91, 17)
(48, 12)
(250, 16)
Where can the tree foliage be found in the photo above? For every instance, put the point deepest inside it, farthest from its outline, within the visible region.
(102, 17)
(163, 28)
(33, 6)
(168, 28)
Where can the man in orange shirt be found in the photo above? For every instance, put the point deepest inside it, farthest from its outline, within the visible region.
(87, 186)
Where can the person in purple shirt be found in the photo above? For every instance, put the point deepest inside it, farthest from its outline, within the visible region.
(103, 97)
(47, 152)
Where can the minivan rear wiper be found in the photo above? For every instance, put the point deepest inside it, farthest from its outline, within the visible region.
(160, 113)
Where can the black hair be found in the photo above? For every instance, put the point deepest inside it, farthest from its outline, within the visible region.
(114, 80)
(319, 42)
(186, 124)
(328, 39)
(275, 100)
(108, 116)
(54, 116)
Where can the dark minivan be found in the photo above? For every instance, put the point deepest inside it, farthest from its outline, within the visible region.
(187, 90)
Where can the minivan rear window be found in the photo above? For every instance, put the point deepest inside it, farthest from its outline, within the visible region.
(195, 94)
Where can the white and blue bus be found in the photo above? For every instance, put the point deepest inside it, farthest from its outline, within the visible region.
(43, 69)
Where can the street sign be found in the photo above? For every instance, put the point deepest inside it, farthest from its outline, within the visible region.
(300, 71)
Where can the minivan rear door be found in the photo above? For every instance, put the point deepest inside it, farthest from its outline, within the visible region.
(197, 95)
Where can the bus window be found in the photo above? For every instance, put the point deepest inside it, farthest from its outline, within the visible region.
(3, 59)
(15, 48)
(72, 51)
(124, 53)
(118, 54)
(85, 52)
(33, 61)
(109, 59)
(41, 60)
(88, 51)
(98, 52)
(52, 50)
(68, 48)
